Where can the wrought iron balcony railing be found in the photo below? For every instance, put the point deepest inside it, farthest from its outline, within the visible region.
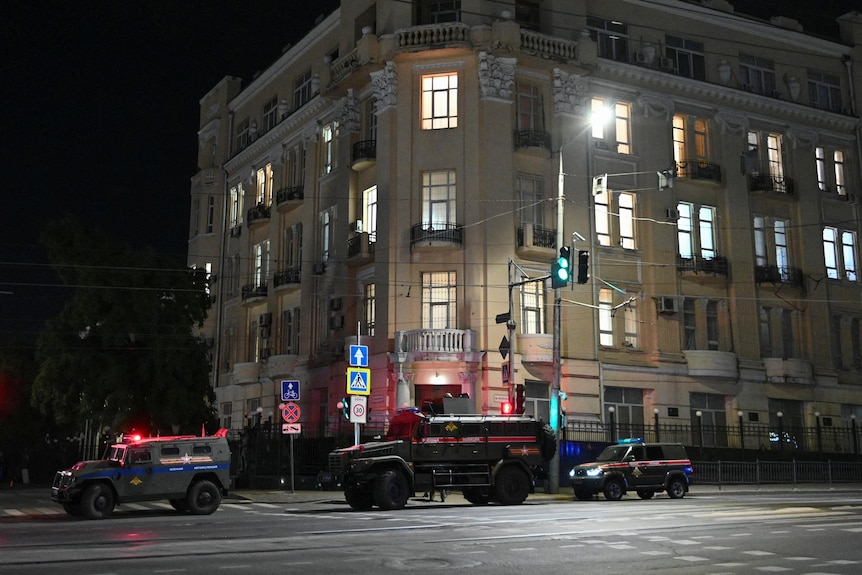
(288, 276)
(779, 275)
(250, 291)
(436, 232)
(532, 139)
(257, 213)
(364, 150)
(541, 237)
(289, 194)
(699, 170)
(769, 183)
(717, 265)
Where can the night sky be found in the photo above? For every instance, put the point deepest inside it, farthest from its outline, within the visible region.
(100, 116)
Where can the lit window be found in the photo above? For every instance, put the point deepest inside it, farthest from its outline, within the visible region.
(622, 125)
(696, 232)
(210, 214)
(532, 307)
(264, 186)
(679, 153)
(439, 101)
(838, 160)
(848, 252)
(438, 199)
(627, 221)
(830, 251)
(261, 263)
(839, 253)
(326, 217)
(630, 320)
(369, 213)
(602, 214)
(438, 300)
(236, 200)
(606, 318)
(820, 163)
(328, 157)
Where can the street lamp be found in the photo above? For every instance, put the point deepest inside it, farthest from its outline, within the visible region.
(819, 435)
(741, 433)
(655, 411)
(699, 415)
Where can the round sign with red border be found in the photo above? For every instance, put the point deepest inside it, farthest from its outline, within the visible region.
(290, 412)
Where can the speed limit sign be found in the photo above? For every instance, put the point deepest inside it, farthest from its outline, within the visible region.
(358, 408)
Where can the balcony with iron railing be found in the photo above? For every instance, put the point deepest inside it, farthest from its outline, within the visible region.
(289, 197)
(699, 265)
(536, 242)
(360, 249)
(289, 277)
(699, 170)
(253, 292)
(779, 275)
(258, 214)
(436, 234)
(531, 139)
(364, 154)
(770, 184)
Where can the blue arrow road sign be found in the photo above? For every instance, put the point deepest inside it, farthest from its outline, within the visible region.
(289, 390)
(358, 381)
(359, 355)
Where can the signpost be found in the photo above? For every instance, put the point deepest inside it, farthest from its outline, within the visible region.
(358, 386)
(291, 413)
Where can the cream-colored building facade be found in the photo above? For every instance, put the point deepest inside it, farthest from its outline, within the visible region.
(397, 177)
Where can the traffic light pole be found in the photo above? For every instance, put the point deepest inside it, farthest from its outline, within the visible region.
(554, 407)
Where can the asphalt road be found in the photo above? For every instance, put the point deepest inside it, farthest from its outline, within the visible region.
(738, 531)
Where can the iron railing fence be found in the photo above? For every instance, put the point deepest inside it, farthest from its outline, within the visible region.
(748, 436)
(776, 472)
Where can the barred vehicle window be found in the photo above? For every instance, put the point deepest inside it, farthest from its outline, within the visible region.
(202, 449)
(170, 450)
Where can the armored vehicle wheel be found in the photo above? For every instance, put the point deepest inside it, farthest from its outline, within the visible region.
(72, 509)
(476, 495)
(390, 490)
(97, 502)
(582, 495)
(676, 489)
(361, 500)
(548, 442)
(512, 486)
(179, 504)
(203, 498)
(613, 490)
(645, 494)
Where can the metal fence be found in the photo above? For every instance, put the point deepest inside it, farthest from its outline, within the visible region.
(776, 472)
(747, 436)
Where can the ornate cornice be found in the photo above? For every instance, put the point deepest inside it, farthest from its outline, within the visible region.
(385, 88)
(496, 76)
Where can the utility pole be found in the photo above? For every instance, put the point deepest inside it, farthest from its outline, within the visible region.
(554, 407)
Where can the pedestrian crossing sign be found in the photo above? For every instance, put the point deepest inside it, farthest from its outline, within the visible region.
(358, 381)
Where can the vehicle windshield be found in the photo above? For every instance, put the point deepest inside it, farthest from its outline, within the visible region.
(614, 453)
(115, 453)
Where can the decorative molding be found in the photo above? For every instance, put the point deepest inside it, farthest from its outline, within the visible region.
(731, 122)
(570, 91)
(496, 76)
(385, 88)
(348, 117)
(802, 136)
(654, 105)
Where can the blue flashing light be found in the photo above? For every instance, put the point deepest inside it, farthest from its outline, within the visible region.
(554, 410)
(631, 440)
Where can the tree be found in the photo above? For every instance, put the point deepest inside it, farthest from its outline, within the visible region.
(122, 352)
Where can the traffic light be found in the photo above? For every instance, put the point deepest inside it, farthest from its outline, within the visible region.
(519, 399)
(344, 406)
(560, 270)
(506, 408)
(583, 266)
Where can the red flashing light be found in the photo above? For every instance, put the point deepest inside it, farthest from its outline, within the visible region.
(506, 408)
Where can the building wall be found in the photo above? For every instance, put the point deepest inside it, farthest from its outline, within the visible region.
(693, 324)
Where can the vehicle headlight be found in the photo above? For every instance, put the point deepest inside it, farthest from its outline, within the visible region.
(594, 472)
(572, 472)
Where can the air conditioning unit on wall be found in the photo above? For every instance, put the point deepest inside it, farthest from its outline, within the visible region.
(666, 304)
